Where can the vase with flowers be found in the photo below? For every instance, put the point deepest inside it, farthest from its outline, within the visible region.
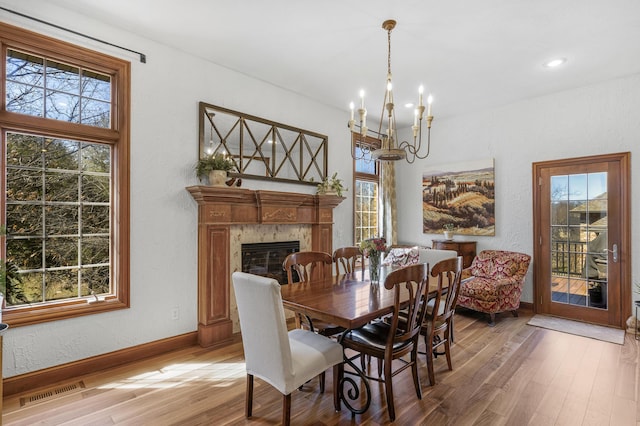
(372, 249)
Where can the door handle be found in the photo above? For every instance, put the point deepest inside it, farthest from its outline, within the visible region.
(614, 252)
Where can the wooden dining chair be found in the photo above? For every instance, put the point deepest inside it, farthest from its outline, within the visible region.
(348, 260)
(286, 360)
(308, 265)
(437, 327)
(392, 338)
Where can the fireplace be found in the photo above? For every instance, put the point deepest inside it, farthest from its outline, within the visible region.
(229, 217)
(266, 258)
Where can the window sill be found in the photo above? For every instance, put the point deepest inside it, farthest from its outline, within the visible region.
(29, 315)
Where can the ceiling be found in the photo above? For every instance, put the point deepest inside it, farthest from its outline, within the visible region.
(471, 55)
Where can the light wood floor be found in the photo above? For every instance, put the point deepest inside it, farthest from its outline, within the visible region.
(512, 374)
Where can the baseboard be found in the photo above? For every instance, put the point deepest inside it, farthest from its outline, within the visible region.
(526, 306)
(60, 373)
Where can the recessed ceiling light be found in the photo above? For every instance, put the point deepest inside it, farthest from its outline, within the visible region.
(553, 63)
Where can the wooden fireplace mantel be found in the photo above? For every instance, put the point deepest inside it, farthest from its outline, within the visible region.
(219, 208)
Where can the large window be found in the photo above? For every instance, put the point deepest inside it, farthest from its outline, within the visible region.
(366, 183)
(65, 154)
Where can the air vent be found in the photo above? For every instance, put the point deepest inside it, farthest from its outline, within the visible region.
(51, 393)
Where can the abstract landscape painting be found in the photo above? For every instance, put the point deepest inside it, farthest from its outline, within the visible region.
(462, 194)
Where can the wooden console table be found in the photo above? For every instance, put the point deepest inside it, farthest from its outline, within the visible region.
(219, 208)
(466, 249)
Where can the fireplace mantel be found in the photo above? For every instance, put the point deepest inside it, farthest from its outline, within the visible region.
(219, 208)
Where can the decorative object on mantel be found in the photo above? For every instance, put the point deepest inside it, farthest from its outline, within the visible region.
(372, 249)
(215, 166)
(448, 231)
(263, 149)
(390, 149)
(462, 194)
(332, 185)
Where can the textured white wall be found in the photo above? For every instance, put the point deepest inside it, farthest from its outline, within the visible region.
(164, 147)
(593, 120)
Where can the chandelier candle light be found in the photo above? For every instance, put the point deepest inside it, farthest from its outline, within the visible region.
(390, 150)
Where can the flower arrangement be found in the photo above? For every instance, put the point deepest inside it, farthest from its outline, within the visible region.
(373, 246)
(371, 249)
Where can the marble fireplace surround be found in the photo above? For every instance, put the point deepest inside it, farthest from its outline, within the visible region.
(228, 217)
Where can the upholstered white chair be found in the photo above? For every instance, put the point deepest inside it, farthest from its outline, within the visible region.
(286, 360)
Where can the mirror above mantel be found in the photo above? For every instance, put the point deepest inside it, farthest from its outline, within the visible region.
(262, 149)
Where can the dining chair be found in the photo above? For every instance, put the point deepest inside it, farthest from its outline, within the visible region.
(392, 338)
(307, 265)
(437, 327)
(347, 260)
(285, 360)
(310, 265)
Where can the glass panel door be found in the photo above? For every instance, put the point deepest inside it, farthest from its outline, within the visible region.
(578, 236)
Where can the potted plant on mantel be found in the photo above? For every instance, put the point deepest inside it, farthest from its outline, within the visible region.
(214, 166)
(332, 185)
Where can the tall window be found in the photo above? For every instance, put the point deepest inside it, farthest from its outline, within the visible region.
(366, 183)
(64, 127)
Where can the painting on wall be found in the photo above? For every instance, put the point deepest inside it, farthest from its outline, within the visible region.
(461, 194)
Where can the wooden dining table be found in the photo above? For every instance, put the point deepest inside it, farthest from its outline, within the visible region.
(349, 301)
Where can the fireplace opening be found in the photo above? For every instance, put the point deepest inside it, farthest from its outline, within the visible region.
(266, 258)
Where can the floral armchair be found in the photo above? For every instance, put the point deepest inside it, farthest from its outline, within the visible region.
(495, 284)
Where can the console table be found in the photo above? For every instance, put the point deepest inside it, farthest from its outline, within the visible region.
(466, 249)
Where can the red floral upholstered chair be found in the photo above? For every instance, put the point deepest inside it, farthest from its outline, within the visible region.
(495, 284)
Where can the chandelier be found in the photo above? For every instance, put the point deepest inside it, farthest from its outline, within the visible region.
(390, 150)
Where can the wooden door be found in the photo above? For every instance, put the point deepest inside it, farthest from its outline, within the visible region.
(582, 239)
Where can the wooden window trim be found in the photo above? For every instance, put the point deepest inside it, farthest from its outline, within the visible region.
(118, 136)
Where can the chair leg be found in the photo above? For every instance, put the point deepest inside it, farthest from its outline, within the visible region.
(428, 342)
(447, 351)
(388, 389)
(248, 407)
(492, 320)
(286, 410)
(514, 313)
(414, 371)
(338, 374)
(321, 378)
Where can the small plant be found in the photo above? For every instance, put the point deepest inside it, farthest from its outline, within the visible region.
(10, 280)
(213, 162)
(449, 227)
(332, 184)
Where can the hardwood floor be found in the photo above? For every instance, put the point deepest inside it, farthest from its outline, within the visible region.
(512, 374)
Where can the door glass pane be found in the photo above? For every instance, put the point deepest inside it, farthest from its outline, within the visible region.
(579, 239)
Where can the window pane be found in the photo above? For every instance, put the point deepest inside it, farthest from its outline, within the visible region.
(96, 113)
(63, 106)
(95, 250)
(61, 220)
(24, 150)
(61, 284)
(63, 77)
(61, 186)
(24, 220)
(95, 189)
(24, 68)
(25, 99)
(61, 252)
(95, 219)
(26, 254)
(96, 280)
(96, 86)
(24, 185)
(96, 158)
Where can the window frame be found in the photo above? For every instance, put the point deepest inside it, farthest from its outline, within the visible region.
(372, 143)
(117, 136)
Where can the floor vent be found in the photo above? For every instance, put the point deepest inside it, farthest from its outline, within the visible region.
(51, 393)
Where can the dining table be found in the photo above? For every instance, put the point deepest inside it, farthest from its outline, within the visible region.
(349, 301)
